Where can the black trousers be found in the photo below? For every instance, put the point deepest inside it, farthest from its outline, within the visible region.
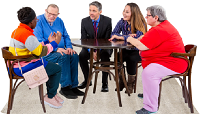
(84, 56)
(131, 57)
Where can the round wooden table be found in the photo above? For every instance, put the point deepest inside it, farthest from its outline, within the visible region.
(104, 44)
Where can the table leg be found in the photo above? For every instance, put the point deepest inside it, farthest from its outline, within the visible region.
(90, 75)
(96, 73)
(123, 76)
(117, 77)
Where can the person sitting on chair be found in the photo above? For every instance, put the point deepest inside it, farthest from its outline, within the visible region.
(133, 24)
(24, 42)
(64, 55)
(156, 47)
(103, 30)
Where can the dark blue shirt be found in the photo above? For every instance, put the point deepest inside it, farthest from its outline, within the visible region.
(125, 28)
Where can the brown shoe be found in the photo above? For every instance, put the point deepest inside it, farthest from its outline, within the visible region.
(121, 83)
(131, 83)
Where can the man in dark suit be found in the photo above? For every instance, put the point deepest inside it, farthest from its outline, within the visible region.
(103, 31)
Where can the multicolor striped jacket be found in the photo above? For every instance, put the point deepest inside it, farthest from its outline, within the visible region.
(26, 43)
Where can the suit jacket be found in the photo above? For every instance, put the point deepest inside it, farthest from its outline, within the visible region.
(104, 30)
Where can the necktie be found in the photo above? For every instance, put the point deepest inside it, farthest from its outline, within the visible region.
(95, 29)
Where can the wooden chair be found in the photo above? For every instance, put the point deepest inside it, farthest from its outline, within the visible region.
(186, 76)
(9, 61)
(138, 66)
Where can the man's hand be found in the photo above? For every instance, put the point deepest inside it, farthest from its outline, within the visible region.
(67, 51)
(52, 37)
(70, 51)
(61, 50)
(58, 37)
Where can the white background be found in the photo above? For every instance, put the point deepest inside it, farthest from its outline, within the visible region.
(183, 14)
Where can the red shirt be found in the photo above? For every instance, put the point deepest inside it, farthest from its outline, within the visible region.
(162, 40)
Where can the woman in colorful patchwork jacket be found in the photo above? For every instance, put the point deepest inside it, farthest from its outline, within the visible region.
(24, 42)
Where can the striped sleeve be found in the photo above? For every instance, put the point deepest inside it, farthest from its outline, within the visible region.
(36, 48)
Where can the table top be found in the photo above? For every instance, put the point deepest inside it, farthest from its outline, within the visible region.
(101, 44)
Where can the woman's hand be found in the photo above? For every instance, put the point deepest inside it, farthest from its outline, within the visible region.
(133, 35)
(116, 37)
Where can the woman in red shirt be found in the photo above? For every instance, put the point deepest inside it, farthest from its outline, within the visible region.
(155, 47)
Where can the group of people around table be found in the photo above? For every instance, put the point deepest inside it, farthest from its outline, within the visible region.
(46, 36)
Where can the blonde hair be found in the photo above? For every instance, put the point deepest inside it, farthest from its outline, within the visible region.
(137, 20)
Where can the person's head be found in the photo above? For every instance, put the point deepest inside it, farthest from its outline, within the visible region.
(95, 9)
(52, 12)
(26, 15)
(133, 15)
(155, 14)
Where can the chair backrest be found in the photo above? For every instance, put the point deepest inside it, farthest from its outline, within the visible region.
(188, 56)
(9, 57)
(191, 50)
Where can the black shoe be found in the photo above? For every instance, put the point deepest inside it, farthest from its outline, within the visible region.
(144, 111)
(83, 85)
(140, 95)
(78, 92)
(68, 93)
(104, 87)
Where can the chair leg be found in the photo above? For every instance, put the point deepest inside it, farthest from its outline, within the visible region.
(10, 98)
(95, 82)
(136, 78)
(124, 81)
(184, 90)
(90, 75)
(41, 95)
(190, 93)
(159, 98)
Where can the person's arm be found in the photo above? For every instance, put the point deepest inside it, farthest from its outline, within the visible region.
(67, 40)
(109, 29)
(137, 43)
(38, 32)
(36, 48)
(116, 32)
(83, 31)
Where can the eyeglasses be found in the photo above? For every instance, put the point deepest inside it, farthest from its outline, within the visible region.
(55, 15)
(148, 15)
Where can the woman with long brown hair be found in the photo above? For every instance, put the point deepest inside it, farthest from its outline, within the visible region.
(132, 24)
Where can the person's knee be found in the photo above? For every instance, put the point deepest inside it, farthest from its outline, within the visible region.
(76, 57)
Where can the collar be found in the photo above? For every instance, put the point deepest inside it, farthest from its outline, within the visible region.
(21, 25)
(97, 19)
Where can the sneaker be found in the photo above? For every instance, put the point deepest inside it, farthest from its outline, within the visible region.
(144, 111)
(140, 95)
(60, 100)
(68, 93)
(78, 92)
(52, 102)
